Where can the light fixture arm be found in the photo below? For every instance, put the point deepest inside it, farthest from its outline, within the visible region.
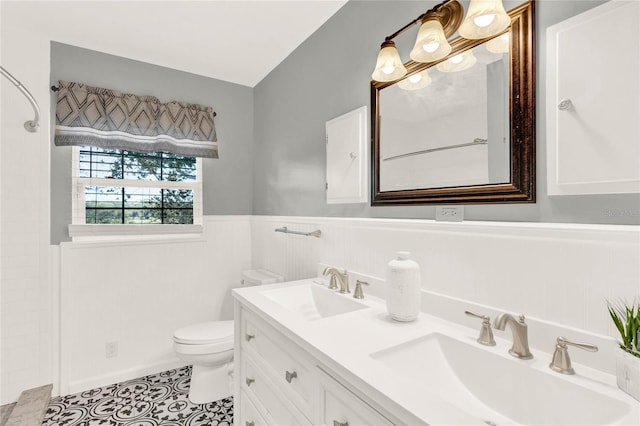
(449, 12)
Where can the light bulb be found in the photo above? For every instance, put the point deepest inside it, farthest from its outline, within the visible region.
(389, 66)
(499, 44)
(484, 20)
(431, 47)
(416, 81)
(456, 59)
(431, 42)
(388, 69)
(458, 62)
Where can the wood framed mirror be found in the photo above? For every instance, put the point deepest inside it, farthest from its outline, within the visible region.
(468, 135)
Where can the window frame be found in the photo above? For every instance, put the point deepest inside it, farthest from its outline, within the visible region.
(80, 229)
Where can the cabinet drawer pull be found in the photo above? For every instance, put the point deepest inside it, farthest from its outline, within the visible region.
(249, 336)
(248, 423)
(337, 423)
(290, 376)
(248, 381)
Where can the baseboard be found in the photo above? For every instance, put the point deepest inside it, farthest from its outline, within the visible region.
(121, 376)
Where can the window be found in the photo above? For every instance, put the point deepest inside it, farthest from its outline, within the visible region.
(115, 186)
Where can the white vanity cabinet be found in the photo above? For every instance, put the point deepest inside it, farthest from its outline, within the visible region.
(340, 407)
(278, 383)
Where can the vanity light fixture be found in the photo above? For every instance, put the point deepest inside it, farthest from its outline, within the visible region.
(389, 66)
(415, 81)
(459, 62)
(485, 18)
(499, 44)
(431, 43)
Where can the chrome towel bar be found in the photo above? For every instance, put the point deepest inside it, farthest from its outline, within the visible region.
(285, 230)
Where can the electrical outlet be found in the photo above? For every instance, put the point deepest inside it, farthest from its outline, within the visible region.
(111, 349)
(450, 213)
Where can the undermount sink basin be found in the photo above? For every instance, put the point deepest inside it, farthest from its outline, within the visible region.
(312, 301)
(496, 389)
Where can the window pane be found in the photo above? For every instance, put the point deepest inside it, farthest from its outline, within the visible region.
(178, 216)
(104, 216)
(143, 216)
(118, 164)
(143, 198)
(178, 198)
(131, 205)
(143, 167)
(102, 197)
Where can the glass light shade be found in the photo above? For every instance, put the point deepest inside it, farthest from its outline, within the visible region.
(460, 62)
(415, 81)
(389, 66)
(485, 18)
(431, 43)
(499, 44)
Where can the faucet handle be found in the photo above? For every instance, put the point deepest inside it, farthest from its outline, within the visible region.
(486, 334)
(357, 293)
(561, 362)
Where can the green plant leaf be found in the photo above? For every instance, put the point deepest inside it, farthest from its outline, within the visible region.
(626, 318)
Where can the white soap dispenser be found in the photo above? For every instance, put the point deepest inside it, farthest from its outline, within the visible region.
(403, 287)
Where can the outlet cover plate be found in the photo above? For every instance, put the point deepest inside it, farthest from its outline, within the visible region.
(450, 213)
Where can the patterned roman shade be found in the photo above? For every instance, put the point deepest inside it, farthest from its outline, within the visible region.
(106, 118)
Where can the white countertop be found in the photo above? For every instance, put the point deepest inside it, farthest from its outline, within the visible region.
(344, 342)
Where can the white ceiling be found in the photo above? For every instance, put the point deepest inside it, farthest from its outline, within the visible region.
(234, 40)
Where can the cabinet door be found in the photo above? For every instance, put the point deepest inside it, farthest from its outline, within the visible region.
(249, 415)
(279, 358)
(593, 101)
(347, 158)
(267, 397)
(340, 407)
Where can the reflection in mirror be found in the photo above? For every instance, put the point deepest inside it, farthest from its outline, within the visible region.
(460, 139)
(460, 129)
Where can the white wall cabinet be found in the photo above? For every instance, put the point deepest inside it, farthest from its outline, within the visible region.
(278, 383)
(593, 101)
(346, 140)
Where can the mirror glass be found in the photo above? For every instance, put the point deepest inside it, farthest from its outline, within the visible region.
(461, 130)
(452, 132)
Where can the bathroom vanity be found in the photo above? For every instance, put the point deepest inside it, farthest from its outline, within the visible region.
(306, 355)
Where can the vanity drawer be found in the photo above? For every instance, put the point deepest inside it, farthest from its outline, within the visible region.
(340, 407)
(287, 367)
(249, 414)
(259, 389)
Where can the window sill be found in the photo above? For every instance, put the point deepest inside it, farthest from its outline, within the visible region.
(110, 232)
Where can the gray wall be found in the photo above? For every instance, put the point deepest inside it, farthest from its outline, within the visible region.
(329, 75)
(227, 181)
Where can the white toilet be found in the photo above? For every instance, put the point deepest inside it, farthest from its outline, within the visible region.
(208, 346)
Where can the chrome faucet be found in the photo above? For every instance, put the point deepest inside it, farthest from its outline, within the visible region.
(520, 347)
(341, 277)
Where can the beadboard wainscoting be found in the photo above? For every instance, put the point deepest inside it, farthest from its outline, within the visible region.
(136, 293)
(559, 275)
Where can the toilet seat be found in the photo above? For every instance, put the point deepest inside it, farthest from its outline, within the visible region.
(205, 337)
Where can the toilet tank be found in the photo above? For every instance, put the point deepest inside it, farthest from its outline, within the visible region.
(259, 277)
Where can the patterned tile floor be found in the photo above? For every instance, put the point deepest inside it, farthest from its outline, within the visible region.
(158, 399)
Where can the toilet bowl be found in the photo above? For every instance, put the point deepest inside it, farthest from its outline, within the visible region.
(208, 346)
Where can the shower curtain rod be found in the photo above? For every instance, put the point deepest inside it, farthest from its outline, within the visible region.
(29, 125)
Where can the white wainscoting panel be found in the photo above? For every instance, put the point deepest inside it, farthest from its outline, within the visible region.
(137, 293)
(559, 275)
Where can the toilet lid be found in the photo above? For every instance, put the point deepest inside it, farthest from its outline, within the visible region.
(205, 333)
